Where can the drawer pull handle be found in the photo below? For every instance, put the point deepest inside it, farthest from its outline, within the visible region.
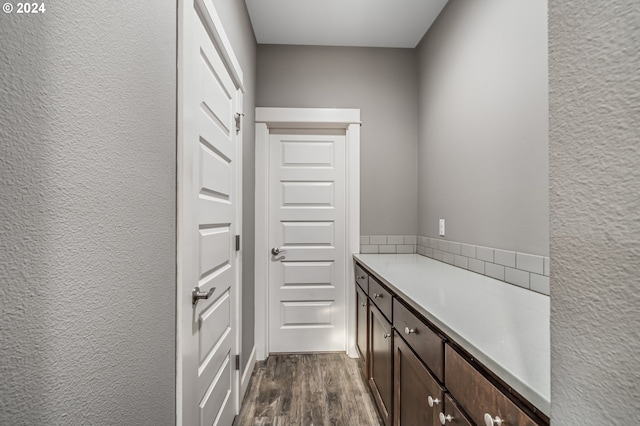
(432, 401)
(490, 421)
(408, 330)
(386, 335)
(444, 419)
(376, 295)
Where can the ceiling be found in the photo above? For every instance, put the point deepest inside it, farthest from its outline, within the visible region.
(362, 23)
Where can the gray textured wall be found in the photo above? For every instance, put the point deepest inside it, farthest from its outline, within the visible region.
(382, 83)
(237, 25)
(87, 214)
(595, 211)
(484, 125)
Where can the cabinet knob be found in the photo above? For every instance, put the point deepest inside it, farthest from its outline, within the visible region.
(444, 419)
(359, 277)
(490, 421)
(376, 295)
(364, 305)
(386, 335)
(432, 401)
(408, 330)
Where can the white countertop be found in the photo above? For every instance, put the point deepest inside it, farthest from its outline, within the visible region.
(503, 326)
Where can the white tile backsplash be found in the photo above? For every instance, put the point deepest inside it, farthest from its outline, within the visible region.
(395, 239)
(377, 239)
(494, 271)
(540, 283)
(517, 277)
(462, 261)
(406, 248)
(468, 250)
(505, 257)
(522, 269)
(484, 253)
(410, 239)
(368, 249)
(530, 262)
(476, 265)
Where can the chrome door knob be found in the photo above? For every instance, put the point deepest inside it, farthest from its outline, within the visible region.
(408, 330)
(490, 421)
(444, 419)
(196, 294)
(432, 401)
(276, 251)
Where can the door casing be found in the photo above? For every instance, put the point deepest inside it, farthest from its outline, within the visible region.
(303, 118)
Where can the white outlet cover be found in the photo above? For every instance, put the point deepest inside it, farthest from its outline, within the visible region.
(441, 227)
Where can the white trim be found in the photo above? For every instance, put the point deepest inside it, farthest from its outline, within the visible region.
(261, 262)
(246, 374)
(213, 23)
(266, 118)
(238, 314)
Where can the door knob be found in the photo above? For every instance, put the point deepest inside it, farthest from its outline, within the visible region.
(444, 419)
(432, 401)
(196, 294)
(276, 251)
(490, 421)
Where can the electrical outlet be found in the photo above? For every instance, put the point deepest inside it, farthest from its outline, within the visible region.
(441, 232)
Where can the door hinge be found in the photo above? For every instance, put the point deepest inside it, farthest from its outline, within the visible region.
(237, 242)
(238, 121)
(238, 362)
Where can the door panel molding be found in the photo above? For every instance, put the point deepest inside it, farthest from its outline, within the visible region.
(327, 119)
(209, 213)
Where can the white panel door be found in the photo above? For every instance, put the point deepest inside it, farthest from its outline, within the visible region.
(206, 226)
(307, 224)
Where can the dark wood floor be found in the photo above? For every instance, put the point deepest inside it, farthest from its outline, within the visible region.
(307, 390)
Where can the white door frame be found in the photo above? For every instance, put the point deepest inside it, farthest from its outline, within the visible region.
(304, 118)
(206, 10)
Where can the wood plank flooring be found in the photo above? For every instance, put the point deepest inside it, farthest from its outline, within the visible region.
(308, 390)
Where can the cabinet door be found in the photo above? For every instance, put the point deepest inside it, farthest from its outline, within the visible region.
(362, 308)
(451, 415)
(381, 362)
(417, 395)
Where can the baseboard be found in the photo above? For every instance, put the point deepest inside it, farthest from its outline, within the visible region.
(246, 373)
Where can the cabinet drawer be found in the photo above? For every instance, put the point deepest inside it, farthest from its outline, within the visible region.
(424, 341)
(362, 278)
(477, 396)
(452, 415)
(381, 297)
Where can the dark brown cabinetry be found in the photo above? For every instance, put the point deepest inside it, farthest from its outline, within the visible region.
(417, 395)
(381, 362)
(362, 326)
(422, 339)
(479, 397)
(415, 374)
